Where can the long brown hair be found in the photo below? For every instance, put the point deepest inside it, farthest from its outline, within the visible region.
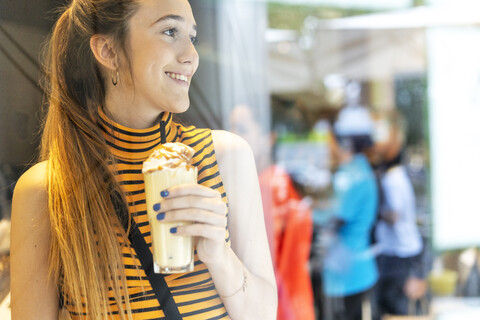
(85, 255)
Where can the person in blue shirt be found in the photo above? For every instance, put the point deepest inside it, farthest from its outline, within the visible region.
(349, 269)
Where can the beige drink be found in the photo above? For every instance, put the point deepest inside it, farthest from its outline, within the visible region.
(168, 166)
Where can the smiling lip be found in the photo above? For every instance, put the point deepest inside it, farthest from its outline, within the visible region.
(178, 77)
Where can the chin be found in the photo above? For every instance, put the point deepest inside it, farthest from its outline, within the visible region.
(182, 106)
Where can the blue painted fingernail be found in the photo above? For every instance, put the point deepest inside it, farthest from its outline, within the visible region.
(164, 193)
(173, 230)
(161, 216)
(156, 206)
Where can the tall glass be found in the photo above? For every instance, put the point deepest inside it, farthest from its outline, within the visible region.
(171, 253)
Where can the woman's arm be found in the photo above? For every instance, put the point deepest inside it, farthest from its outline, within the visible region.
(242, 273)
(253, 297)
(33, 294)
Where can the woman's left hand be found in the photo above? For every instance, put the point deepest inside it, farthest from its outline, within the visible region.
(206, 211)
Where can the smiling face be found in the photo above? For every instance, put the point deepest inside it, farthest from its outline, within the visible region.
(160, 61)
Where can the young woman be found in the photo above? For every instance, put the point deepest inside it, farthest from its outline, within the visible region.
(117, 70)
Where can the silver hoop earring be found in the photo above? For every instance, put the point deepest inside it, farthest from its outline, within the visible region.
(115, 77)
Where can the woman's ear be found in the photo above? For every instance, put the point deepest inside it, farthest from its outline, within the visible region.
(103, 50)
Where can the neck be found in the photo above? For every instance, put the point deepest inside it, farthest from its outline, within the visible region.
(129, 112)
(345, 156)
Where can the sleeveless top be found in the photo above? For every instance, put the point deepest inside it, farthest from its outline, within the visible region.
(194, 292)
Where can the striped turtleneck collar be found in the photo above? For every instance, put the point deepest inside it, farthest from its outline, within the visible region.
(136, 144)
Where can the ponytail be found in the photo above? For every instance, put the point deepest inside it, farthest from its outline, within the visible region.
(85, 254)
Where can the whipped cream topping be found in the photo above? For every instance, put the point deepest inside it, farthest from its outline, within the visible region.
(171, 155)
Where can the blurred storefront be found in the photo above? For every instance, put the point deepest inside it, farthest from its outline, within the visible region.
(417, 60)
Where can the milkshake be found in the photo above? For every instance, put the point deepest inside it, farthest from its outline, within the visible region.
(167, 166)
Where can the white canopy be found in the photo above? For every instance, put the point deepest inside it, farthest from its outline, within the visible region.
(373, 46)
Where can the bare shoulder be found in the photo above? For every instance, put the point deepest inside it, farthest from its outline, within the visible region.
(235, 161)
(228, 144)
(33, 184)
(30, 197)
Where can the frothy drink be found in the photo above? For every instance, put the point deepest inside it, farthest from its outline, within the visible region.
(167, 166)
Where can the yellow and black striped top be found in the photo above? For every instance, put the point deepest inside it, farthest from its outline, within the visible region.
(193, 292)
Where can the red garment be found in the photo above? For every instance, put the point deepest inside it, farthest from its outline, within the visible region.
(289, 228)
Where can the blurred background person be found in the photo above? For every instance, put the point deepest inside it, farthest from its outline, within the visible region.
(288, 219)
(397, 236)
(349, 268)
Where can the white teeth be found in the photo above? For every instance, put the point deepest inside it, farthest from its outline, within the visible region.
(177, 76)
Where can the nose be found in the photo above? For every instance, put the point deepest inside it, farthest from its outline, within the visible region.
(189, 54)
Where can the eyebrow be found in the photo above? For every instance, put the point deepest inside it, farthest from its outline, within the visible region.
(172, 17)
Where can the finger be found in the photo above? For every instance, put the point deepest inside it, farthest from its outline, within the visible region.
(192, 189)
(195, 215)
(192, 202)
(200, 230)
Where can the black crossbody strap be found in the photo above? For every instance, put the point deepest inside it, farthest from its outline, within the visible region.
(157, 281)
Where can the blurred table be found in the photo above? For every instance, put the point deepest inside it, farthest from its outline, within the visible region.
(5, 313)
(456, 308)
(4, 276)
(4, 286)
